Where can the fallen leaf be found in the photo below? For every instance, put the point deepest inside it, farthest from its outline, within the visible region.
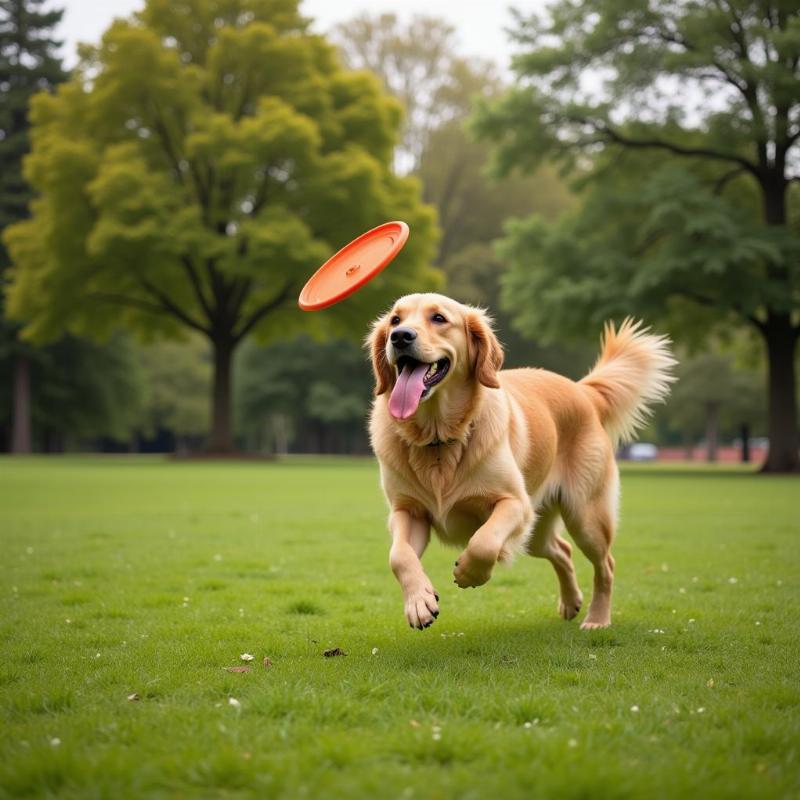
(237, 669)
(134, 696)
(335, 651)
(267, 662)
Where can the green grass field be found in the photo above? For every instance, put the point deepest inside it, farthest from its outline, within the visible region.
(123, 576)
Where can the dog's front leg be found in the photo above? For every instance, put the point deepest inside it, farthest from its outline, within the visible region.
(410, 536)
(511, 517)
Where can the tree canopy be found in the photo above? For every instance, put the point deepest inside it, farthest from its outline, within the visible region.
(687, 118)
(202, 161)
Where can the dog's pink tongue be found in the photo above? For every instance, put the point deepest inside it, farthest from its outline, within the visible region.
(407, 391)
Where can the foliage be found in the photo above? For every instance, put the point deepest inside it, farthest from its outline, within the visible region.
(712, 393)
(692, 135)
(418, 62)
(148, 578)
(81, 390)
(202, 161)
(176, 377)
(315, 393)
(28, 64)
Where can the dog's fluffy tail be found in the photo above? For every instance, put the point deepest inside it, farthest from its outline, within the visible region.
(633, 372)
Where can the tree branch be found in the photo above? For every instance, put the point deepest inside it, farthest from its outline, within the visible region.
(173, 308)
(186, 262)
(709, 302)
(660, 144)
(262, 311)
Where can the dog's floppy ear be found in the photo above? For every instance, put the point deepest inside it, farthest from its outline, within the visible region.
(376, 344)
(485, 350)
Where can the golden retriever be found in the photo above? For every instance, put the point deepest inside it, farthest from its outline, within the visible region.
(492, 460)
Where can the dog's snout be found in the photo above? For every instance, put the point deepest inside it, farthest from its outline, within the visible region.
(402, 337)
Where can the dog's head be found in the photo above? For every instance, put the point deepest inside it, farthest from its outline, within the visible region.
(428, 343)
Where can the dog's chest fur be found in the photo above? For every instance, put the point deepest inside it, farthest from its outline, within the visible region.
(455, 506)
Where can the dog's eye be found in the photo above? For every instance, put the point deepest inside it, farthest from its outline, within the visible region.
(395, 320)
(438, 319)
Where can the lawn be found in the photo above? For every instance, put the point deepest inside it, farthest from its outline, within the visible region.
(147, 578)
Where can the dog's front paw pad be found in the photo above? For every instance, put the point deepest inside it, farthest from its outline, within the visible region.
(472, 570)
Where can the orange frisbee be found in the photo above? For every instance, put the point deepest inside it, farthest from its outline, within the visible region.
(354, 265)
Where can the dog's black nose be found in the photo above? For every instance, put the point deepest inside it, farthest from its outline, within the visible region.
(402, 337)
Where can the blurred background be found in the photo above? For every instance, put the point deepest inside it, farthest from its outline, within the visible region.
(172, 172)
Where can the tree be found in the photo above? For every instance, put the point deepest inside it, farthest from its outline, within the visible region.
(84, 391)
(714, 399)
(311, 395)
(418, 62)
(28, 64)
(176, 375)
(202, 161)
(706, 217)
(421, 66)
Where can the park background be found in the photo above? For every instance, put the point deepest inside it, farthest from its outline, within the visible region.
(166, 190)
(650, 172)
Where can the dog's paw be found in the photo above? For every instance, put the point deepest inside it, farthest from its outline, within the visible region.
(590, 624)
(568, 608)
(472, 569)
(421, 606)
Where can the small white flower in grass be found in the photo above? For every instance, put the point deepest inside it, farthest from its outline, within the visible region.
(635, 709)
(246, 657)
(436, 733)
(29, 551)
(593, 656)
(700, 710)
(779, 583)
(757, 622)
(55, 742)
(14, 589)
(733, 580)
(572, 743)
(528, 725)
(241, 612)
(691, 621)
(665, 567)
(710, 683)
(682, 590)
(69, 621)
(374, 651)
(97, 655)
(695, 579)
(185, 599)
(217, 557)
(232, 701)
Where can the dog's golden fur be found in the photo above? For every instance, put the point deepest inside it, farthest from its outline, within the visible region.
(493, 460)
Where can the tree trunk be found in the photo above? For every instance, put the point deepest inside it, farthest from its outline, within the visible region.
(712, 431)
(221, 417)
(745, 434)
(21, 424)
(781, 340)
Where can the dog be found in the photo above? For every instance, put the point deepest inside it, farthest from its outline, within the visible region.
(493, 461)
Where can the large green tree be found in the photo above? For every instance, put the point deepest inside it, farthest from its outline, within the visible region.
(206, 156)
(28, 64)
(694, 110)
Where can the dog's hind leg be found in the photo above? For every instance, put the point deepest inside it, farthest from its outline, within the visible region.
(545, 542)
(592, 527)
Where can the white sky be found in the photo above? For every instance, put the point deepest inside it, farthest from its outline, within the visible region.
(480, 23)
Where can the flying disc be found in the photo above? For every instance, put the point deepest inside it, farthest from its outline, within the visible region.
(354, 265)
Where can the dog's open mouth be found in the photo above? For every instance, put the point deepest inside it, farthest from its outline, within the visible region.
(433, 374)
(415, 379)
